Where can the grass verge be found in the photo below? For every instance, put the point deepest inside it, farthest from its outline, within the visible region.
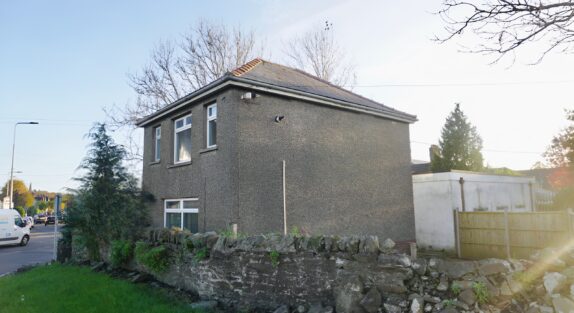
(62, 288)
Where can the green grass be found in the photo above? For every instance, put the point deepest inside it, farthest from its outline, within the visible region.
(61, 288)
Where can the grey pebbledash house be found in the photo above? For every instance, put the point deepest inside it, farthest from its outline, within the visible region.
(264, 140)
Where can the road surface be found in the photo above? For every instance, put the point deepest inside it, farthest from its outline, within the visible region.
(39, 250)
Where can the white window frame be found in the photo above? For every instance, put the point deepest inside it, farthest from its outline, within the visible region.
(177, 130)
(157, 139)
(210, 118)
(181, 210)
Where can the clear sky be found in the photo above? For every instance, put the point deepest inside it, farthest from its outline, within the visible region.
(61, 62)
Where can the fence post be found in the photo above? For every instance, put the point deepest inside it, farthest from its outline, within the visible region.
(456, 232)
(507, 233)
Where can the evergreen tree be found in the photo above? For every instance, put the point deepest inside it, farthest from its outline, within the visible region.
(108, 205)
(459, 146)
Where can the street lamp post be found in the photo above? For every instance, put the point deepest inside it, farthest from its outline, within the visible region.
(12, 167)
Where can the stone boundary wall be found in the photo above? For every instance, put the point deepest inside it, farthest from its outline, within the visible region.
(268, 273)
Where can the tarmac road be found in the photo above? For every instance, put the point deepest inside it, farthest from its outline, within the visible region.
(39, 250)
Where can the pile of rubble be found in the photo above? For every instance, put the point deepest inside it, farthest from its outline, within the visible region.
(544, 284)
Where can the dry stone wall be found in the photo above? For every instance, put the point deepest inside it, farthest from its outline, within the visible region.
(274, 273)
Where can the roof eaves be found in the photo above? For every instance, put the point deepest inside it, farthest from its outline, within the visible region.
(205, 89)
(390, 113)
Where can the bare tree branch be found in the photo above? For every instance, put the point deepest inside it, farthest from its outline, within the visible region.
(504, 26)
(318, 53)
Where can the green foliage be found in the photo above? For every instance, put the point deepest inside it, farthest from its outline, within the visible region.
(108, 204)
(561, 150)
(22, 196)
(122, 252)
(274, 256)
(460, 145)
(481, 292)
(455, 288)
(295, 231)
(154, 258)
(31, 211)
(78, 289)
(201, 254)
(449, 303)
(20, 210)
(501, 171)
(228, 233)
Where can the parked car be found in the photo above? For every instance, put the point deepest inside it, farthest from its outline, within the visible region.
(50, 220)
(30, 221)
(40, 219)
(13, 229)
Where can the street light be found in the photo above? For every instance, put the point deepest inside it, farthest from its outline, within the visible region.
(12, 167)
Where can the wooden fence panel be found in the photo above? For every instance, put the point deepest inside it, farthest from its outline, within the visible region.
(517, 235)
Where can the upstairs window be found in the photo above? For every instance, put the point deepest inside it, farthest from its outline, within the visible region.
(212, 126)
(182, 139)
(157, 144)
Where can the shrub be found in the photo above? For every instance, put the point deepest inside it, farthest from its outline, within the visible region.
(122, 252)
(481, 292)
(201, 254)
(274, 255)
(154, 258)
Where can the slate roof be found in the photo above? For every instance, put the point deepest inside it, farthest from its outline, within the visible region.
(275, 76)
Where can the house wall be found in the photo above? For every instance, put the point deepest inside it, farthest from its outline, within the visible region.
(437, 195)
(346, 172)
(208, 177)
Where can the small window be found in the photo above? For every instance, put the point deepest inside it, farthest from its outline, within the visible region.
(182, 139)
(212, 126)
(181, 214)
(157, 144)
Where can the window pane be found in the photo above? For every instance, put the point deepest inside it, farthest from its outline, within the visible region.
(190, 221)
(188, 204)
(183, 145)
(188, 120)
(157, 144)
(178, 124)
(173, 220)
(172, 205)
(212, 111)
(212, 133)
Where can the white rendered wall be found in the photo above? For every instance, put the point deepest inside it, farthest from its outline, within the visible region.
(437, 195)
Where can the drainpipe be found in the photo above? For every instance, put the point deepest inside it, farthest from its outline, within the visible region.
(284, 203)
(461, 181)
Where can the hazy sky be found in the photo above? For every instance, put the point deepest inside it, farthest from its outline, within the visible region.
(62, 61)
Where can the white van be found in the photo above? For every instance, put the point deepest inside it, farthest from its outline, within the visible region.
(13, 229)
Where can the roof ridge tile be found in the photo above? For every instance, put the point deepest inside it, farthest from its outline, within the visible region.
(246, 67)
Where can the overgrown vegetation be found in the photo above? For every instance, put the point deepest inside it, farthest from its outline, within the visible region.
(108, 205)
(201, 254)
(40, 290)
(455, 289)
(155, 258)
(274, 256)
(481, 292)
(121, 252)
(448, 303)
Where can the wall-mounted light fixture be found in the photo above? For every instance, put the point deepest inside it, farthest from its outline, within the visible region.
(279, 118)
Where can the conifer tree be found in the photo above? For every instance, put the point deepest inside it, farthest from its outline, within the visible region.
(108, 205)
(460, 145)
